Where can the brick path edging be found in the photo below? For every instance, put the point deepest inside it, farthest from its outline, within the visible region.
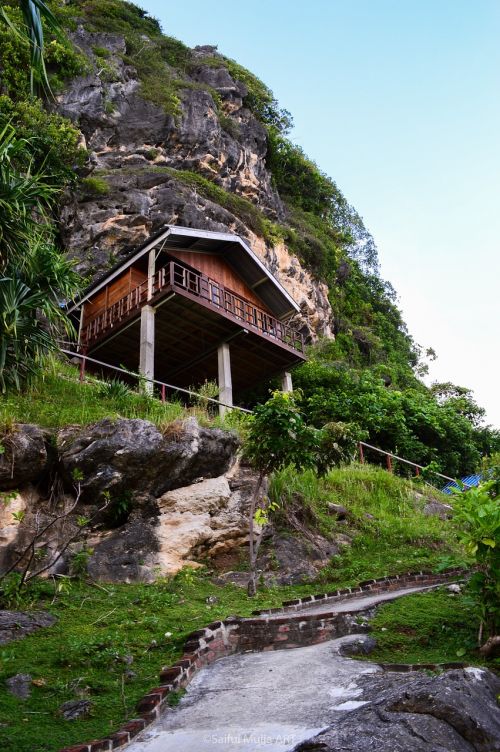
(367, 587)
(238, 634)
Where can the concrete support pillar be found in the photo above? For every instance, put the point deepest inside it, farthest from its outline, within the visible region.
(151, 271)
(286, 382)
(147, 346)
(224, 380)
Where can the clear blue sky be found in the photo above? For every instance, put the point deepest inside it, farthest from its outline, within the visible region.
(399, 101)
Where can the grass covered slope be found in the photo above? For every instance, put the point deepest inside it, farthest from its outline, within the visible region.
(434, 627)
(57, 398)
(390, 532)
(101, 627)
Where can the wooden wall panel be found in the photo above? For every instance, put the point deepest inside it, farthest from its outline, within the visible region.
(110, 294)
(215, 267)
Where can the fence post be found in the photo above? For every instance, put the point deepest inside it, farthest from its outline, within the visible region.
(82, 368)
(417, 470)
(361, 453)
(389, 463)
(163, 393)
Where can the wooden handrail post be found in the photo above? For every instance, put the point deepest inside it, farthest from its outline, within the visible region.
(163, 393)
(361, 453)
(389, 463)
(82, 368)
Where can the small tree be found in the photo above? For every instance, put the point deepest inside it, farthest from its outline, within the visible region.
(477, 512)
(277, 436)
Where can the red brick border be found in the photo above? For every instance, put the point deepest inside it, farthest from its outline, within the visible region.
(238, 634)
(374, 587)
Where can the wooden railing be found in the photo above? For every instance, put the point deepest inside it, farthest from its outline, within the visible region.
(175, 277)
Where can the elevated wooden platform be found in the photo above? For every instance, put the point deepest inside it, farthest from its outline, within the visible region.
(194, 314)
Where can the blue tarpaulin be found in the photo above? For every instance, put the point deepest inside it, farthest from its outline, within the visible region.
(469, 482)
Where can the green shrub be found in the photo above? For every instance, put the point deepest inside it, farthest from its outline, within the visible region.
(94, 186)
(477, 512)
(14, 60)
(52, 141)
(101, 51)
(62, 60)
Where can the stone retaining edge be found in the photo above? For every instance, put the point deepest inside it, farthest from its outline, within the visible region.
(373, 587)
(237, 634)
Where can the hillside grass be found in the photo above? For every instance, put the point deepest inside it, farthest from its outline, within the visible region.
(433, 627)
(389, 531)
(57, 398)
(105, 631)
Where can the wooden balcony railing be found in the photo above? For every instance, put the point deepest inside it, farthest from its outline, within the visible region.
(177, 278)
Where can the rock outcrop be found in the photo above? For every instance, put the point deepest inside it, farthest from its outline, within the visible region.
(24, 456)
(144, 156)
(147, 527)
(456, 710)
(134, 457)
(199, 521)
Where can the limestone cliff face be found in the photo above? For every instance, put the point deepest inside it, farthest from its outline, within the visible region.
(143, 154)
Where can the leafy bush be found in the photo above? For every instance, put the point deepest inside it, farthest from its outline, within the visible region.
(407, 422)
(477, 512)
(53, 61)
(50, 141)
(114, 390)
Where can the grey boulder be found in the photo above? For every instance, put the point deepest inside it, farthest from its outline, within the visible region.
(455, 711)
(19, 685)
(24, 457)
(17, 624)
(134, 456)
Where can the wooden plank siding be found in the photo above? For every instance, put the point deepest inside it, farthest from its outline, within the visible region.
(217, 269)
(113, 292)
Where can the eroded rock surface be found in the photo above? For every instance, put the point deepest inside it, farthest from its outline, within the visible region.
(199, 521)
(455, 711)
(145, 155)
(17, 624)
(135, 457)
(19, 685)
(24, 457)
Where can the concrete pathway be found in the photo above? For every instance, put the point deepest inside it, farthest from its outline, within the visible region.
(363, 603)
(259, 701)
(266, 701)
